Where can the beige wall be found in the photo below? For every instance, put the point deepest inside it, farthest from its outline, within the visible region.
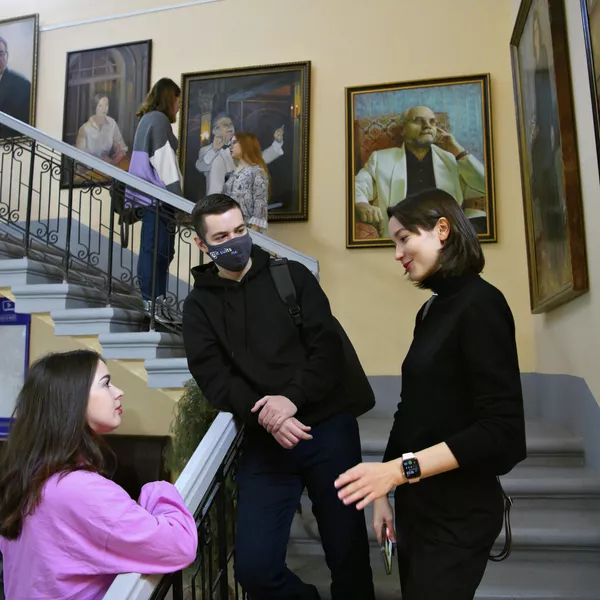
(567, 339)
(145, 411)
(349, 42)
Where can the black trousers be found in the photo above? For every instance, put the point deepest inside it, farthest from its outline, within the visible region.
(270, 483)
(445, 528)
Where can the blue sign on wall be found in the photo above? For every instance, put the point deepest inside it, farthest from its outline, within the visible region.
(14, 341)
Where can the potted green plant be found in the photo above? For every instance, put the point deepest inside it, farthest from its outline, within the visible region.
(193, 418)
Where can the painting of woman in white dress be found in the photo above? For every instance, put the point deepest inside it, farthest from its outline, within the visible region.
(104, 88)
(100, 136)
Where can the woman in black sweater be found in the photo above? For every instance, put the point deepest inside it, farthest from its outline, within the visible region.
(460, 421)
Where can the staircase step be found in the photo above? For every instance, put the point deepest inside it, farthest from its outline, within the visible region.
(43, 298)
(508, 580)
(574, 487)
(9, 248)
(38, 249)
(167, 372)
(25, 271)
(147, 345)
(96, 321)
(551, 531)
(528, 580)
(546, 445)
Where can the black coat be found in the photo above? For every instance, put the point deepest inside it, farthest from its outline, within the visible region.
(15, 99)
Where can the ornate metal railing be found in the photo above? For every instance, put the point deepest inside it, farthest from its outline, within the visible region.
(211, 575)
(207, 486)
(83, 217)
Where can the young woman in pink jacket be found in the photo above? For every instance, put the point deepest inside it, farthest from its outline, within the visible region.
(66, 529)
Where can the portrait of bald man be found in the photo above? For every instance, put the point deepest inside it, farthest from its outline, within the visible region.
(15, 91)
(430, 157)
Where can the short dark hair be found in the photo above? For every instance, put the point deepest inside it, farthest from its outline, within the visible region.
(213, 204)
(461, 252)
(96, 100)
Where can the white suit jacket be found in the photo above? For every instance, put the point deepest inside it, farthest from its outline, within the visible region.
(383, 179)
(216, 165)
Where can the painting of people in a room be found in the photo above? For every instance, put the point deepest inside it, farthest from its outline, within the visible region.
(105, 87)
(550, 188)
(270, 102)
(407, 137)
(18, 69)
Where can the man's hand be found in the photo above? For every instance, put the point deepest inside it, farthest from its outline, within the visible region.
(278, 135)
(367, 213)
(274, 410)
(218, 142)
(292, 432)
(446, 141)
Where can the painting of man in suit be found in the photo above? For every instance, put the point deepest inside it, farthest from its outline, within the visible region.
(18, 48)
(404, 138)
(271, 102)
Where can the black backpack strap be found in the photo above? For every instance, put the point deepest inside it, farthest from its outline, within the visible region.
(280, 272)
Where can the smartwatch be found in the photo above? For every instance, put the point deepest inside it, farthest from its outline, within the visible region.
(410, 465)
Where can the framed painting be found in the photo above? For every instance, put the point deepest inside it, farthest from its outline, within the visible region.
(272, 102)
(402, 138)
(590, 12)
(548, 152)
(18, 69)
(104, 89)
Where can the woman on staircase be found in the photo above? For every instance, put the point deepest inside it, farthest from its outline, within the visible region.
(154, 159)
(66, 530)
(248, 185)
(460, 423)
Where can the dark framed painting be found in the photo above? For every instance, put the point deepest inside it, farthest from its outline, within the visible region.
(590, 12)
(104, 89)
(273, 103)
(18, 69)
(548, 153)
(405, 137)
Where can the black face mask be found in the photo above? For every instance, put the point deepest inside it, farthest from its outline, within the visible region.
(232, 255)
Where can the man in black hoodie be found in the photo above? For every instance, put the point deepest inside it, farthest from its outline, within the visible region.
(250, 359)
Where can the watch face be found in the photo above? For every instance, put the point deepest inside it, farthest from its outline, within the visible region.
(411, 468)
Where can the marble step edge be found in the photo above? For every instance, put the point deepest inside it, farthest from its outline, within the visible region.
(96, 321)
(509, 580)
(574, 533)
(167, 372)
(147, 345)
(25, 271)
(46, 297)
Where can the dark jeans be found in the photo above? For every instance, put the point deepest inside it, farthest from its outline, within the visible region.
(271, 480)
(166, 251)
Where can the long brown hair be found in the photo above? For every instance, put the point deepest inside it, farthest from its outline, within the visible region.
(161, 97)
(251, 151)
(50, 434)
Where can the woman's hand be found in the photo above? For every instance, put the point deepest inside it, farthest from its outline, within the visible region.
(367, 482)
(383, 514)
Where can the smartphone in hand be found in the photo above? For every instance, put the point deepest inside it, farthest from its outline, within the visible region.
(387, 549)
